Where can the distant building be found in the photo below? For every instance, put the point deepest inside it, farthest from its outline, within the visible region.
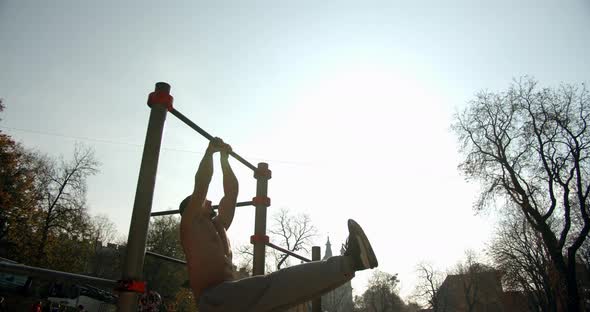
(241, 272)
(482, 292)
(339, 299)
(106, 261)
(479, 291)
(473, 291)
(515, 301)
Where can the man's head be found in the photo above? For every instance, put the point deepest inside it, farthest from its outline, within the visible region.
(184, 203)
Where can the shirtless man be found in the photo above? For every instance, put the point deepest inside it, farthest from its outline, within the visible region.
(208, 253)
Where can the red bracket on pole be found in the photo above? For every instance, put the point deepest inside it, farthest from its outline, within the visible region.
(261, 201)
(161, 96)
(258, 239)
(132, 286)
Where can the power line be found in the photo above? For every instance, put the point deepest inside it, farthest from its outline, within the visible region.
(71, 136)
(169, 149)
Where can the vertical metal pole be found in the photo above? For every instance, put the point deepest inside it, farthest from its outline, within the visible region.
(133, 265)
(260, 219)
(316, 255)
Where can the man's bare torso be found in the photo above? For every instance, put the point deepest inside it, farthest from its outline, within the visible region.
(208, 253)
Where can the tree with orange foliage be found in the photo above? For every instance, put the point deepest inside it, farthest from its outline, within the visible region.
(17, 189)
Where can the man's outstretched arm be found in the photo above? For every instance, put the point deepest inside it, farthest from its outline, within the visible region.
(227, 205)
(203, 177)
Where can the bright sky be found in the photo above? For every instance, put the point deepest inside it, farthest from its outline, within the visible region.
(350, 103)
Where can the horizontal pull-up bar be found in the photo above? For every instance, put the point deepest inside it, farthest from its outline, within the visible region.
(164, 213)
(209, 137)
(290, 253)
(159, 256)
(170, 212)
(52, 274)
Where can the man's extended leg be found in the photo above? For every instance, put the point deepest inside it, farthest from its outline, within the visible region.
(279, 290)
(294, 285)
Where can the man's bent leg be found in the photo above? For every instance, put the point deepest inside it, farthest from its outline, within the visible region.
(279, 290)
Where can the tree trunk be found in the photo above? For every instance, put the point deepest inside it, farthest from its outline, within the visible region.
(41, 251)
(566, 273)
(573, 296)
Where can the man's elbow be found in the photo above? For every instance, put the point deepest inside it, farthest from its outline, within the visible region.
(223, 222)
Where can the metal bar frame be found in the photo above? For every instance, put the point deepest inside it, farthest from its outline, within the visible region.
(259, 254)
(142, 205)
(53, 274)
(316, 255)
(136, 244)
(209, 137)
(133, 269)
(159, 256)
(169, 212)
(290, 253)
(135, 257)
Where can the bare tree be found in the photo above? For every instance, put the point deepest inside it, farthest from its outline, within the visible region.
(427, 288)
(470, 286)
(471, 283)
(102, 229)
(530, 145)
(585, 254)
(62, 194)
(381, 294)
(520, 254)
(102, 262)
(245, 256)
(292, 232)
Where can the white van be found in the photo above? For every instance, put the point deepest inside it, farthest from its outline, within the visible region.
(91, 298)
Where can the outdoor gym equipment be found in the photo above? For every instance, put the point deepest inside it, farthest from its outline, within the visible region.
(131, 283)
(160, 101)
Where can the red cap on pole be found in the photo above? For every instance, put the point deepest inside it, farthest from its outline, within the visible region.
(161, 96)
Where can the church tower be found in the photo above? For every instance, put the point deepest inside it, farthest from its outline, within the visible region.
(328, 253)
(339, 299)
